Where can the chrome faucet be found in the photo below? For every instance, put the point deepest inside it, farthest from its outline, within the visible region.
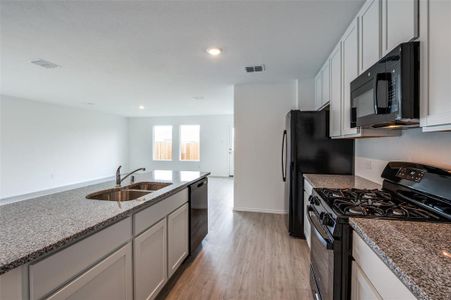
(118, 175)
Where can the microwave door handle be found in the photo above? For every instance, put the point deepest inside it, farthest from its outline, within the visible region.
(324, 240)
(376, 101)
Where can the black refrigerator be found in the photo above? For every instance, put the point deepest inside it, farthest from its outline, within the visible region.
(307, 149)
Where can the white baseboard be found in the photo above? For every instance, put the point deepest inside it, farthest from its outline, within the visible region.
(260, 210)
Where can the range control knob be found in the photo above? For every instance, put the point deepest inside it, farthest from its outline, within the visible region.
(327, 220)
(313, 200)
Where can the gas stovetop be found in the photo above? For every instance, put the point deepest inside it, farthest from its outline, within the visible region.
(373, 203)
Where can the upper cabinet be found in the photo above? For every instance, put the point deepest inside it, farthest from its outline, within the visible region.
(370, 32)
(399, 22)
(350, 49)
(325, 77)
(318, 91)
(379, 26)
(336, 85)
(322, 88)
(435, 76)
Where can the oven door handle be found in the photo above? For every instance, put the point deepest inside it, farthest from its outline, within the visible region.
(323, 238)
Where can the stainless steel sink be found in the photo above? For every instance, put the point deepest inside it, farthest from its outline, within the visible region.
(148, 186)
(127, 193)
(118, 194)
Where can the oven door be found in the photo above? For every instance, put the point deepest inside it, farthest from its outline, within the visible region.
(321, 258)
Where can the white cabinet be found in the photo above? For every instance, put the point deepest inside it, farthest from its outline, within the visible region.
(150, 257)
(370, 31)
(350, 53)
(178, 231)
(373, 277)
(325, 87)
(14, 285)
(318, 91)
(361, 287)
(435, 43)
(336, 85)
(51, 273)
(322, 87)
(109, 279)
(399, 22)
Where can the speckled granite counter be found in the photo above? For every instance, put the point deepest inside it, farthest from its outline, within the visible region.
(32, 228)
(418, 253)
(340, 181)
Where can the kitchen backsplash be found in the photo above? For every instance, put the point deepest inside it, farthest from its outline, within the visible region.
(372, 155)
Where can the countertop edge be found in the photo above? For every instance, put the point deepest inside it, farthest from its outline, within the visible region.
(403, 277)
(68, 241)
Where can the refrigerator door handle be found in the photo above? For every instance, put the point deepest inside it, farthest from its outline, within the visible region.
(284, 149)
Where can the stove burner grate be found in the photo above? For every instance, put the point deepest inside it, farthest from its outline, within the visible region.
(355, 202)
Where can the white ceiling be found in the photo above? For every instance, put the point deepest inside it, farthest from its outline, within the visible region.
(122, 54)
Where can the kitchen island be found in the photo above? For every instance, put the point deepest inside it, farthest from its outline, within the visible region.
(36, 229)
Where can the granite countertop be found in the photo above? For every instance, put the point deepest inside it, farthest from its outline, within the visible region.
(340, 181)
(35, 227)
(418, 253)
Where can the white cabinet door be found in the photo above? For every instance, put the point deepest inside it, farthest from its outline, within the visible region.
(435, 41)
(306, 221)
(109, 279)
(318, 91)
(177, 238)
(370, 32)
(350, 49)
(361, 287)
(399, 22)
(335, 92)
(150, 261)
(325, 87)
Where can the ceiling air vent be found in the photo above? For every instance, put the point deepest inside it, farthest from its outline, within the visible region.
(44, 63)
(252, 69)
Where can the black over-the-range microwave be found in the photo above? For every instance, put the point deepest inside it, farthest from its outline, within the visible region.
(387, 94)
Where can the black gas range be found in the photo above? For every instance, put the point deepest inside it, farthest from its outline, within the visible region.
(410, 191)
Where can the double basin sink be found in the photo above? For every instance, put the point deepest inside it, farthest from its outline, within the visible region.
(129, 192)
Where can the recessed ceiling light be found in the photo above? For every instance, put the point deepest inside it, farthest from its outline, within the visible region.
(213, 51)
(141, 107)
(198, 98)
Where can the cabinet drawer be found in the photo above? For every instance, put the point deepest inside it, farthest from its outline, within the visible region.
(52, 272)
(151, 215)
(109, 279)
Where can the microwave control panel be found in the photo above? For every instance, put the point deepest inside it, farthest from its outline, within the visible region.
(411, 174)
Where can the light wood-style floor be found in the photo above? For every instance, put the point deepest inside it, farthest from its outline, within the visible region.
(245, 256)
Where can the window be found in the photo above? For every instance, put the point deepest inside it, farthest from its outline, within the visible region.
(189, 142)
(162, 142)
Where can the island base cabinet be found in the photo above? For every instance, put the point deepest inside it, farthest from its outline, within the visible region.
(150, 268)
(361, 287)
(109, 279)
(177, 238)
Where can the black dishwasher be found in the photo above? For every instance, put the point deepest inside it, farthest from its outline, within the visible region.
(198, 204)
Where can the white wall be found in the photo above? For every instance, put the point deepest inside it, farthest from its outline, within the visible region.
(215, 133)
(260, 111)
(44, 146)
(306, 94)
(372, 155)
